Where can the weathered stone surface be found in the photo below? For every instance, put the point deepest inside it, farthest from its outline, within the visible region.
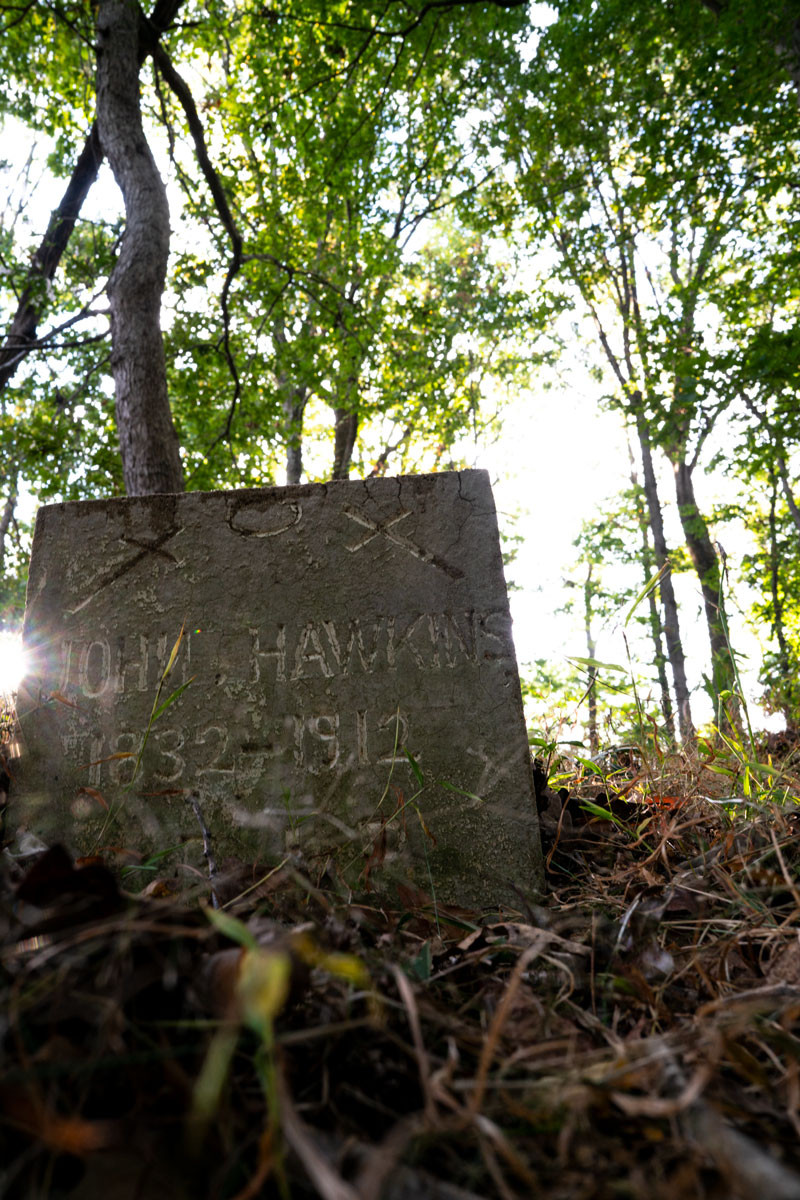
(328, 629)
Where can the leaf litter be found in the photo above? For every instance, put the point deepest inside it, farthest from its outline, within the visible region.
(637, 1034)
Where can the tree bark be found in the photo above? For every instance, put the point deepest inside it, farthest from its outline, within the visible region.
(345, 433)
(783, 475)
(148, 442)
(672, 634)
(591, 651)
(293, 405)
(5, 522)
(656, 626)
(787, 693)
(21, 334)
(706, 564)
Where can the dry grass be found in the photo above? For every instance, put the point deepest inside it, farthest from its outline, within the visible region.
(638, 1035)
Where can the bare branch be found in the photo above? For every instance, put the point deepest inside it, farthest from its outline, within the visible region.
(181, 90)
(22, 330)
(48, 256)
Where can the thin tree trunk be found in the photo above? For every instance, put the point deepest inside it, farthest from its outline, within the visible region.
(345, 433)
(591, 650)
(706, 564)
(294, 452)
(148, 441)
(346, 419)
(659, 658)
(774, 579)
(783, 475)
(672, 634)
(5, 522)
(787, 693)
(21, 333)
(293, 406)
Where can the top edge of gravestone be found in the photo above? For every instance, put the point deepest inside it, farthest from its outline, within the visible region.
(475, 475)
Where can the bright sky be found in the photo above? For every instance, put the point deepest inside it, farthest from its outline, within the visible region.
(12, 663)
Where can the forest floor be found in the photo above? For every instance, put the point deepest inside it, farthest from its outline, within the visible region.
(636, 1035)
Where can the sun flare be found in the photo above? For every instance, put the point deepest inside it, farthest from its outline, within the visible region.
(12, 663)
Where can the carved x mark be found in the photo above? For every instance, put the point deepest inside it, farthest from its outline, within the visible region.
(145, 548)
(385, 528)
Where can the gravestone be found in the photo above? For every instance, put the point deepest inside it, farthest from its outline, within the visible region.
(349, 684)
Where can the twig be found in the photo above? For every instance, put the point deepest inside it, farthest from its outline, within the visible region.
(194, 803)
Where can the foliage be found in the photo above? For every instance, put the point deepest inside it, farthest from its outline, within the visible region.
(668, 193)
(335, 138)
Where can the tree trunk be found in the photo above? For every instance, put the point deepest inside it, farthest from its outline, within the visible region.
(706, 564)
(294, 461)
(5, 522)
(591, 651)
(659, 658)
(21, 334)
(672, 634)
(783, 475)
(148, 442)
(787, 692)
(293, 406)
(345, 433)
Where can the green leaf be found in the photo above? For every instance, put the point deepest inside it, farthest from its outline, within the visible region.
(595, 664)
(451, 787)
(420, 966)
(231, 927)
(171, 699)
(597, 811)
(174, 651)
(646, 590)
(415, 767)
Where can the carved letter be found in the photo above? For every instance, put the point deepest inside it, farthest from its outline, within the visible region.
(355, 641)
(278, 652)
(461, 639)
(121, 769)
(126, 664)
(94, 670)
(403, 640)
(361, 739)
(316, 655)
(66, 664)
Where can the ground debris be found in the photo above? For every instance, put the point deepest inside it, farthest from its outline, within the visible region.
(637, 1034)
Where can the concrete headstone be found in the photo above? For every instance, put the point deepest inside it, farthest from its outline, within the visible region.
(330, 631)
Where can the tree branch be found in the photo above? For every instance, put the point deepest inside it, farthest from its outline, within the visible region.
(21, 336)
(181, 90)
(448, 5)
